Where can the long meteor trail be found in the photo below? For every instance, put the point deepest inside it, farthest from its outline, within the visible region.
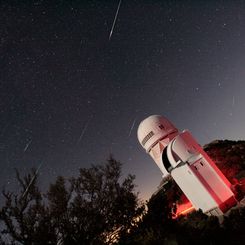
(27, 145)
(32, 180)
(132, 126)
(115, 19)
(84, 130)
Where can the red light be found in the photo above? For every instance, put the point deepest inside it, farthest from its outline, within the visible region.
(183, 209)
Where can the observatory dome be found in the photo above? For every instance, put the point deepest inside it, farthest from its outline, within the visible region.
(152, 129)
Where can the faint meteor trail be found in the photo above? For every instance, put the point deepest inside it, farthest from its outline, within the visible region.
(27, 145)
(132, 126)
(84, 130)
(115, 19)
(32, 180)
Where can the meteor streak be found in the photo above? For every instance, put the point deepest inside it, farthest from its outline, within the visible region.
(84, 130)
(130, 131)
(115, 19)
(32, 180)
(27, 145)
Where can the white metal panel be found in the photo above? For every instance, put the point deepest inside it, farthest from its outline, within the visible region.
(203, 169)
(191, 141)
(212, 181)
(182, 149)
(193, 188)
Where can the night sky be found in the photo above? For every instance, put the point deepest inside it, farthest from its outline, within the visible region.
(70, 96)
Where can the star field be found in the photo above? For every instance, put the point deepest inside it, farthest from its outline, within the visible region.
(70, 96)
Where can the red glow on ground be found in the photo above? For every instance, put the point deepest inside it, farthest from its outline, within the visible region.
(183, 209)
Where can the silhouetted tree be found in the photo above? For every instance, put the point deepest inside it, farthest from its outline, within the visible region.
(156, 225)
(234, 226)
(25, 217)
(103, 206)
(199, 228)
(94, 208)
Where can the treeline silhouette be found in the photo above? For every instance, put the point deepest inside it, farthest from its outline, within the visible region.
(101, 207)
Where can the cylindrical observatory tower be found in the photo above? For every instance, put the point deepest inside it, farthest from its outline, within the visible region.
(179, 155)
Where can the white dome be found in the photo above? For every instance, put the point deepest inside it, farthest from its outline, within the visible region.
(152, 129)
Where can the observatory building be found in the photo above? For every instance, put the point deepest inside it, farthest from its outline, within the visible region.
(178, 155)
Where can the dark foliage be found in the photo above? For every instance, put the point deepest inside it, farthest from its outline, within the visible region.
(155, 226)
(94, 208)
(234, 227)
(25, 216)
(200, 228)
(196, 228)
